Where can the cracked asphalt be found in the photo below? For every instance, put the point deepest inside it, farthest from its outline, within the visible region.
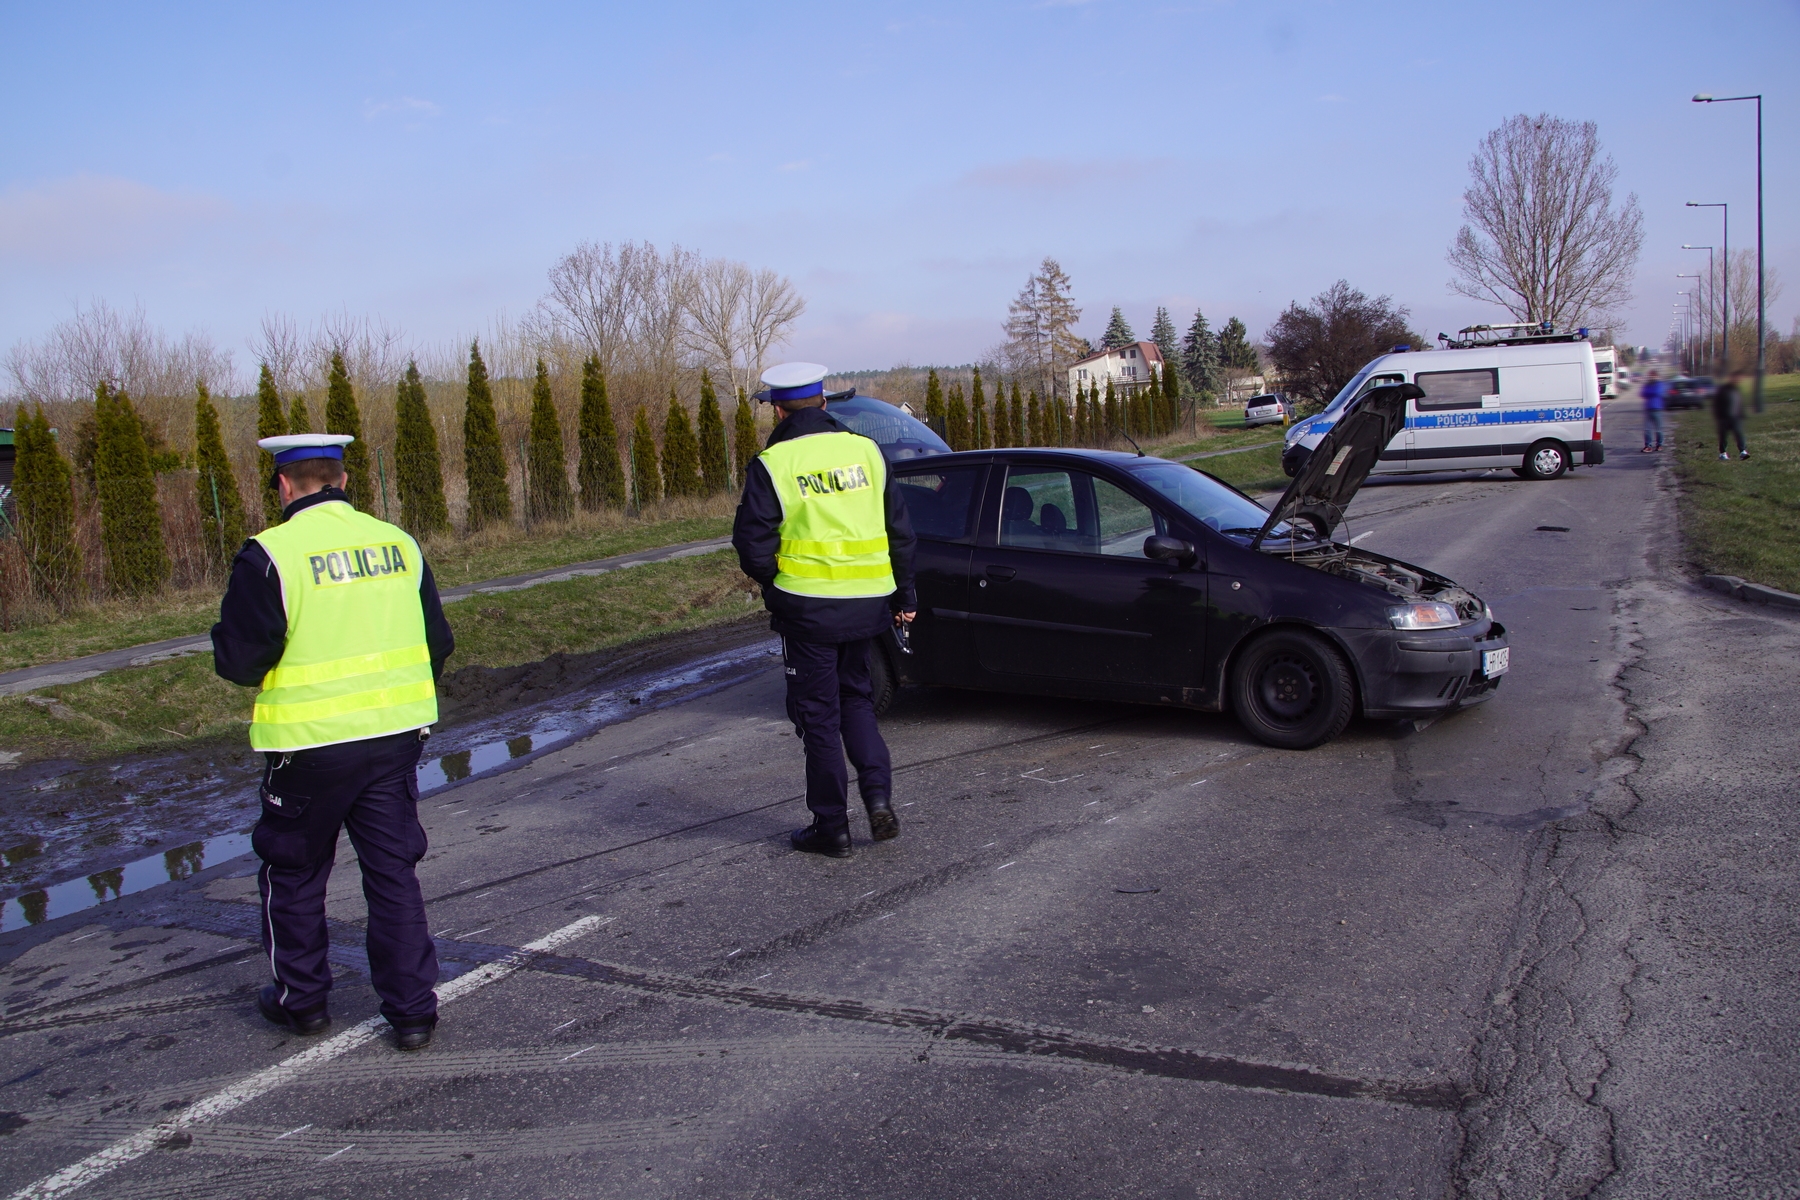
(1542, 948)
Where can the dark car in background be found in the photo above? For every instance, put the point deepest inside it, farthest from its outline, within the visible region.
(1104, 575)
(1689, 391)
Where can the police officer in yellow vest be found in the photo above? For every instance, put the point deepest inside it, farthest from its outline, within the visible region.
(335, 616)
(823, 529)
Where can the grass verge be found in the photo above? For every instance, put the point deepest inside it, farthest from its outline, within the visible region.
(167, 704)
(490, 554)
(1743, 518)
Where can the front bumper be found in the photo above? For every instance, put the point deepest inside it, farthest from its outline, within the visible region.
(1293, 457)
(1409, 673)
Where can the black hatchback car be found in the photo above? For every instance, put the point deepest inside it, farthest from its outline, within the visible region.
(1106, 575)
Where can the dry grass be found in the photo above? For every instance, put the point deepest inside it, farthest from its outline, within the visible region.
(1743, 518)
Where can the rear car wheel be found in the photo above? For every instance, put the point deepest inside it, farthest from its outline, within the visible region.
(883, 682)
(1546, 460)
(1292, 689)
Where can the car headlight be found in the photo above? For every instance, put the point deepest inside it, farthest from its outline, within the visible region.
(1427, 614)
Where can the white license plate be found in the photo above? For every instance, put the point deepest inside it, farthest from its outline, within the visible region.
(1494, 662)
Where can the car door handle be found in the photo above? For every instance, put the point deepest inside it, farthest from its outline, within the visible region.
(1001, 573)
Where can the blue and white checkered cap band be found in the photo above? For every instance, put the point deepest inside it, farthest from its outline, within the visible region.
(777, 395)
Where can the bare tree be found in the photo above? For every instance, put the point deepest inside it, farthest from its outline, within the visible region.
(592, 296)
(771, 306)
(1041, 342)
(278, 344)
(715, 327)
(1543, 239)
(103, 344)
(1319, 347)
(374, 351)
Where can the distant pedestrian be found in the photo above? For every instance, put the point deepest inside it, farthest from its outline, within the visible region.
(823, 528)
(1652, 392)
(1728, 413)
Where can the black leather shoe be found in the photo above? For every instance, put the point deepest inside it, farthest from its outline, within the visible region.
(313, 1020)
(813, 840)
(883, 824)
(413, 1037)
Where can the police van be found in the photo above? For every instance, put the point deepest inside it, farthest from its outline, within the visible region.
(1518, 396)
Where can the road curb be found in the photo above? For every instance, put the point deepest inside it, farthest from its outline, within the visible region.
(1755, 593)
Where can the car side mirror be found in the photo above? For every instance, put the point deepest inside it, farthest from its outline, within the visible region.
(1170, 550)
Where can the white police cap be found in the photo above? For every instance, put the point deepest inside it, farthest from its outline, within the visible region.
(794, 381)
(292, 447)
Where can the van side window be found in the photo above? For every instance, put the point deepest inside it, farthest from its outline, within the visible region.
(1455, 389)
(943, 503)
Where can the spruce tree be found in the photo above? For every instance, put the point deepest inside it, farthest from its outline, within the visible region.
(743, 436)
(680, 452)
(1200, 357)
(1162, 332)
(418, 469)
(1003, 427)
(646, 471)
(484, 459)
(269, 423)
(601, 476)
(1034, 422)
(1235, 349)
(1021, 433)
(221, 504)
(547, 497)
(1118, 332)
(978, 418)
(715, 464)
(137, 562)
(342, 416)
(43, 483)
(956, 420)
(299, 420)
(934, 407)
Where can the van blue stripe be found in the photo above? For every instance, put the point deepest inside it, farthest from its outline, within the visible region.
(1462, 418)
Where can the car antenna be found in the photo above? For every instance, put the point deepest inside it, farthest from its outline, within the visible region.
(1134, 445)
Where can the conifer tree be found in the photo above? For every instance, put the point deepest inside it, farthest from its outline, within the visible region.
(1200, 357)
(1034, 422)
(269, 423)
(1118, 332)
(1003, 427)
(935, 415)
(299, 420)
(646, 470)
(680, 452)
(1162, 332)
(1235, 349)
(1171, 396)
(1021, 431)
(715, 465)
(343, 416)
(418, 469)
(547, 473)
(221, 504)
(137, 562)
(600, 474)
(743, 436)
(979, 438)
(1109, 419)
(43, 483)
(956, 420)
(484, 459)
(1082, 436)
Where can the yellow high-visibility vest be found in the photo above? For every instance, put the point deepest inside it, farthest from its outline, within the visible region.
(833, 522)
(356, 664)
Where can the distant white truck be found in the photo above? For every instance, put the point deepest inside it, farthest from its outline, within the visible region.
(1605, 368)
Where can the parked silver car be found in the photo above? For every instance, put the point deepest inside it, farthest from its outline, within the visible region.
(1272, 408)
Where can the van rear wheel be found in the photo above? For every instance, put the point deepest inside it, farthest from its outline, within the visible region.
(1292, 689)
(1546, 460)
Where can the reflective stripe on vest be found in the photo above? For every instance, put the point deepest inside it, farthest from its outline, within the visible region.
(356, 664)
(833, 516)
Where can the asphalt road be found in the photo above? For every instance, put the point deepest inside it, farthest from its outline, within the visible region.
(1542, 948)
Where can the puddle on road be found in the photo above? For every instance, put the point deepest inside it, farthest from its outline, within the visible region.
(228, 797)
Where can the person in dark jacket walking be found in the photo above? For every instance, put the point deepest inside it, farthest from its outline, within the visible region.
(1651, 393)
(1728, 414)
(822, 527)
(335, 615)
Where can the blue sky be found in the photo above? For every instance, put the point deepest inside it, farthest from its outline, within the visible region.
(907, 164)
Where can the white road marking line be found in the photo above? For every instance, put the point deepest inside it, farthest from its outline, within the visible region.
(84, 937)
(1359, 537)
(764, 975)
(909, 804)
(735, 953)
(129, 1149)
(579, 1053)
(1090, 804)
(1197, 783)
(1109, 820)
(884, 916)
(473, 932)
(1108, 754)
(1003, 866)
(565, 1024)
(297, 1129)
(335, 1153)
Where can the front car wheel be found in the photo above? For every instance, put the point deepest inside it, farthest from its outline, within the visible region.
(1292, 689)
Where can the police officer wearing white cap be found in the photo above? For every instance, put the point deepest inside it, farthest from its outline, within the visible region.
(823, 529)
(335, 616)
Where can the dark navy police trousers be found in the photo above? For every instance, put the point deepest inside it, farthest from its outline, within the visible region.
(370, 789)
(831, 702)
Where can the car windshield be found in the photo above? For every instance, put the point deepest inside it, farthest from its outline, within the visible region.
(899, 435)
(1350, 389)
(1206, 499)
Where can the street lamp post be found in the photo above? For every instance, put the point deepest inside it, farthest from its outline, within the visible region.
(1712, 290)
(1684, 316)
(1702, 329)
(1705, 98)
(1725, 282)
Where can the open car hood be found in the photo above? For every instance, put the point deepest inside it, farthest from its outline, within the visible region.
(1343, 460)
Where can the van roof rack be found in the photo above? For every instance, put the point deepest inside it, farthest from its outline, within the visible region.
(1522, 333)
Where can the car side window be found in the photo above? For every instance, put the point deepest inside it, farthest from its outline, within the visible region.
(1455, 389)
(1072, 511)
(943, 504)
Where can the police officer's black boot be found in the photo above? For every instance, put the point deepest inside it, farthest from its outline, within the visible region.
(814, 840)
(313, 1020)
(883, 824)
(414, 1036)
